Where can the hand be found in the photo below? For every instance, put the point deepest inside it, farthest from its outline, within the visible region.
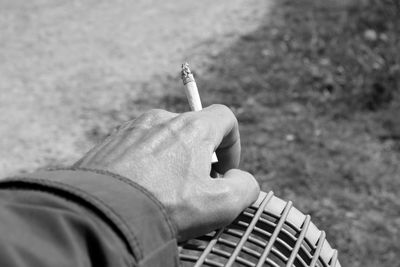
(169, 154)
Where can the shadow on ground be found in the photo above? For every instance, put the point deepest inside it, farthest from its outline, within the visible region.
(315, 90)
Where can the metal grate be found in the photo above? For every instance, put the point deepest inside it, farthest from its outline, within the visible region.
(269, 233)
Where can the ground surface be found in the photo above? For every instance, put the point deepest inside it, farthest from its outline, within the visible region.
(64, 64)
(315, 86)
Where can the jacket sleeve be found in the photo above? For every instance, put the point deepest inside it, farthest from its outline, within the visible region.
(78, 217)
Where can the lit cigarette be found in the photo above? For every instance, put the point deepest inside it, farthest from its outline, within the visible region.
(192, 94)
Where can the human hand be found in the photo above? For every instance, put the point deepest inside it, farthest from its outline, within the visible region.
(169, 154)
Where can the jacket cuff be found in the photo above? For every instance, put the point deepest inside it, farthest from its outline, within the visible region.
(137, 214)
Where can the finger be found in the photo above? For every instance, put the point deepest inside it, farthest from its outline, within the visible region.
(243, 191)
(226, 136)
(228, 157)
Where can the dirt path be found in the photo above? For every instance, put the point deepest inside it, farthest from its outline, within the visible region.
(62, 63)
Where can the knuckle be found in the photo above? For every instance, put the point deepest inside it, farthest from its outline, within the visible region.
(222, 108)
(153, 117)
(197, 123)
(191, 127)
(192, 121)
(225, 110)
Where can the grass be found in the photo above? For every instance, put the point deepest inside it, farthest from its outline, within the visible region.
(316, 92)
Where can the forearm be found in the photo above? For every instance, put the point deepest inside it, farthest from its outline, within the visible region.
(79, 218)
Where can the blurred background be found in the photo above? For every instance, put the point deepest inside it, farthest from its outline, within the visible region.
(314, 84)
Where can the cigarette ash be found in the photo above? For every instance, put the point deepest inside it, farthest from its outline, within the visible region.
(185, 71)
(186, 74)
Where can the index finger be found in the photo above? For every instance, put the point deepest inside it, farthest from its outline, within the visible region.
(226, 138)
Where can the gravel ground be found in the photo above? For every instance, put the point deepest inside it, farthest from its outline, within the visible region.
(63, 64)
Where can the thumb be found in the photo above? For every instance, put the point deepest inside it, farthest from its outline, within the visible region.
(220, 202)
(244, 190)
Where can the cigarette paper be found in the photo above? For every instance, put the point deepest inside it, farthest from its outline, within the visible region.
(192, 94)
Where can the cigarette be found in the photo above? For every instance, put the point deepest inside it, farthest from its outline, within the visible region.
(192, 94)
